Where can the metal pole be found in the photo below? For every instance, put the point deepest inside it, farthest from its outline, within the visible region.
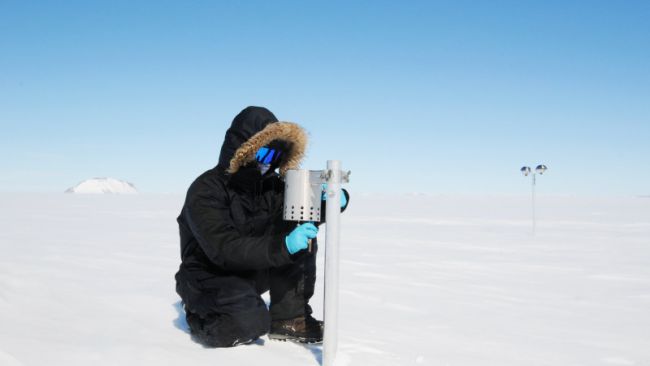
(533, 199)
(332, 235)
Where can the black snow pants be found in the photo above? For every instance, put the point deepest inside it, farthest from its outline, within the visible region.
(224, 311)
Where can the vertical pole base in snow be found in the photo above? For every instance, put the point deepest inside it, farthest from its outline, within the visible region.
(332, 235)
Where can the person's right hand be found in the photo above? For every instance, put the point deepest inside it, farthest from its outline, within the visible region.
(298, 239)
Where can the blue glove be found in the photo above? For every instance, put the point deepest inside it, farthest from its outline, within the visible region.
(297, 239)
(344, 201)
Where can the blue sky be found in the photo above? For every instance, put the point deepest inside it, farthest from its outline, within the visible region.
(431, 96)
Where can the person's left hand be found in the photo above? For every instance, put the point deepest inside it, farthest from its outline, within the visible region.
(344, 200)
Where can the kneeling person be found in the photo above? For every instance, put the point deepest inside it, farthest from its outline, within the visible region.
(236, 246)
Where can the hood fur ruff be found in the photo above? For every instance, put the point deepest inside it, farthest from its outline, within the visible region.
(286, 131)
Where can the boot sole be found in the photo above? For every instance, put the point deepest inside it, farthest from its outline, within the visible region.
(304, 340)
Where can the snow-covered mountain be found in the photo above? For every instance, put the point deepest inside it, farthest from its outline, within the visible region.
(103, 185)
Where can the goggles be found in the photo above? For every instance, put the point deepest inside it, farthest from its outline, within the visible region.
(267, 155)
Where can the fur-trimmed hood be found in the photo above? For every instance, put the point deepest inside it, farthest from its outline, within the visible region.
(255, 127)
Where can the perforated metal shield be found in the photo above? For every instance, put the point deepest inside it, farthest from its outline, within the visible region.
(302, 195)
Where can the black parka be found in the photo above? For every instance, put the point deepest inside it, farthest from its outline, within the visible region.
(231, 223)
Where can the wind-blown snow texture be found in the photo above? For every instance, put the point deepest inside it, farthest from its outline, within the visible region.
(428, 280)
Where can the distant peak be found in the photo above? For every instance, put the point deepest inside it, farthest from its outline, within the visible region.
(103, 185)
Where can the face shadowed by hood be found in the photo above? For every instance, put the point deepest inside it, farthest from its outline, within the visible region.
(255, 127)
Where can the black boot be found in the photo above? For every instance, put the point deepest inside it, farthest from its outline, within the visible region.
(303, 329)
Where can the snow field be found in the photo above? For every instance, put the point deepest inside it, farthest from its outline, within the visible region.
(425, 280)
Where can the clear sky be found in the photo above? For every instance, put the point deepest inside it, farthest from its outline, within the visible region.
(430, 96)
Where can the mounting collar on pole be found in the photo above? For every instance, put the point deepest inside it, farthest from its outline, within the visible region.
(327, 174)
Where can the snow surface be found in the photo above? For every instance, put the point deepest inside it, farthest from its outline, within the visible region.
(103, 185)
(426, 280)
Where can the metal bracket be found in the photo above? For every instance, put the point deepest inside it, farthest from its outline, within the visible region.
(325, 175)
(345, 177)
